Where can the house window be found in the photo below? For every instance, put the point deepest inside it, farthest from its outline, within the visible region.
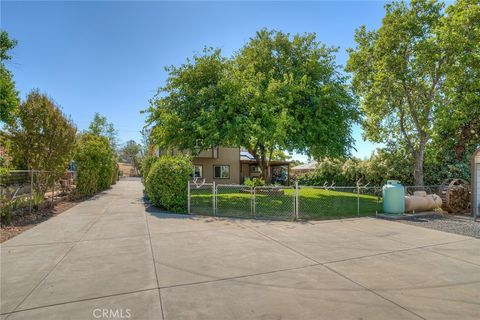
(197, 171)
(221, 172)
(254, 168)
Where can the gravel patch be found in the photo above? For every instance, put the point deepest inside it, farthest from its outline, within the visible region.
(454, 224)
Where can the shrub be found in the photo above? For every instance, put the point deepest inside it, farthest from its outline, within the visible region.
(147, 163)
(166, 183)
(42, 138)
(255, 182)
(95, 161)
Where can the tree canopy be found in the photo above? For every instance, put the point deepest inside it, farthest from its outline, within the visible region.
(409, 71)
(42, 137)
(131, 152)
(101, 127)
(278, 92)
(9, 99)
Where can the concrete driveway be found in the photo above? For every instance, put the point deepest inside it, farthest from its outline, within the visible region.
(109, 258)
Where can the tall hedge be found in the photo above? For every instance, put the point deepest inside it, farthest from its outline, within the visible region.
(95, 161)
(166, 183)
(146, 165)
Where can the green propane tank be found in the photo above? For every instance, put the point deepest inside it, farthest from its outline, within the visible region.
(393, 197)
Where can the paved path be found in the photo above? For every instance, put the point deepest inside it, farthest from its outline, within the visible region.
(110, 257)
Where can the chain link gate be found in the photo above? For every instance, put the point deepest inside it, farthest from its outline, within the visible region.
(241, 201)
(274, 202)
(233, 201)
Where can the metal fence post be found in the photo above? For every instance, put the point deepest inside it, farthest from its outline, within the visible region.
(53, 192)
(252, 213)
(254, 202)
(188, 197)
(358, 200)
(214, 201)
(31, 191)
(297, 199)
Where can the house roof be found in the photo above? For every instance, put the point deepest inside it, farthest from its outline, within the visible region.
(245, 155)
(306, 166)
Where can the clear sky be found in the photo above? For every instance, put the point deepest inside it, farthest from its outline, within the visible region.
(110, 56)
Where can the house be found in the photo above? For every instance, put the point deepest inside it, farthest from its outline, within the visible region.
(127, 169)
(231, 165)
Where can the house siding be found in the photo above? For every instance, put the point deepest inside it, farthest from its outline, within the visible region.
(225, 156)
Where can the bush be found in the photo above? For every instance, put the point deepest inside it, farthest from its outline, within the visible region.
(166, 183)
(42, 138)
(147, 163)
(95, 161)
(255, 182)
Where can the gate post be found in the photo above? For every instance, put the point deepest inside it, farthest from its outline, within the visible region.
(214, 198)
(188, 197)
(358, 200)
(254, 205)
(297, 198)
(31, 191)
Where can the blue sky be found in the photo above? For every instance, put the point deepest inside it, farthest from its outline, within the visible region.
(110, 56)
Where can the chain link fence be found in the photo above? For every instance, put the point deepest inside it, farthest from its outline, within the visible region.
(290, 202)
(200, 199)
(274, 202)
(338, 202)
(233, 201)
(24, 190)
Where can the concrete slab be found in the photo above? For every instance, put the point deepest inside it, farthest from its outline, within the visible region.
(189, 257)
(329, 242)
(429, 284)
(307, 293)
(113, 226)
(468, 250)
(407, 234)
(139, 305)
(216, 268)
(168, 223)
(56, 230)
(22, 268)
(97, 268)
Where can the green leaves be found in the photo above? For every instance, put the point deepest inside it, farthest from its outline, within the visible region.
(276, 92)
(95, 162)
(420, 63)
(42, 136)
(166, 182)
(9, 99)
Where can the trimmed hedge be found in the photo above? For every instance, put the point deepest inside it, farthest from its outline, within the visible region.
(147, 164)
(166, 183)
(95, 162)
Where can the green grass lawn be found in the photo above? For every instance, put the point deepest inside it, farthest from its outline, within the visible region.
(313, 203)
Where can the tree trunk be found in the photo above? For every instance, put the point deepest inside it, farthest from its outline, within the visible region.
(263, 162)
(418, 170)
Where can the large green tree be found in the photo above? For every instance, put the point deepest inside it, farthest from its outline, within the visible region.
(132, 153)
(9, 99)
(457, 124)
(42, 137)
(416, 73)
(279, 92)
(101, 127)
